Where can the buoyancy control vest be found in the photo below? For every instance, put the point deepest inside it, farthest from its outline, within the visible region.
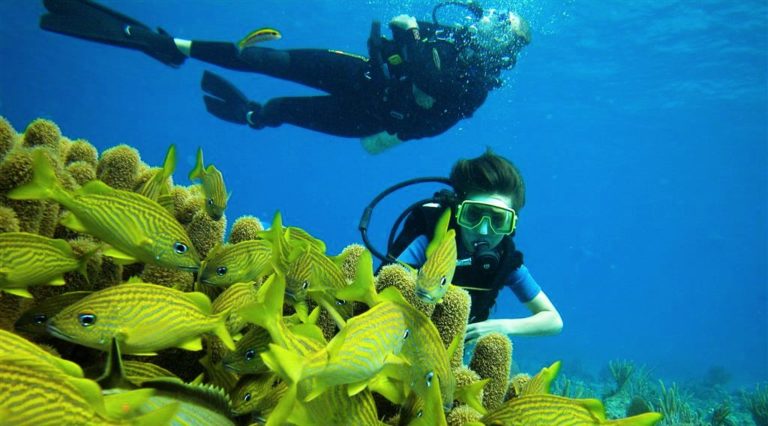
(422, 221)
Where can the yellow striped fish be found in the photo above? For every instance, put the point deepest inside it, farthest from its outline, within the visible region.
(356, 354)
(246, 359)
(33, 319)
(138, 372)
(158, 187)
(136, 227)
(212, 183)
(416, 411)
(267, 312)
(197, 404)
(436, 274)
(245, 261)
(536, 407)
(293, 233)
(335, 407)
(37, 394)
(30, 259)
(235, 297)
(144, 318)
(424, 351)
(258, 394)
(12, 345)
(259, 36)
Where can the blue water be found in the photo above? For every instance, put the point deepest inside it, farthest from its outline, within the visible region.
(641, 130)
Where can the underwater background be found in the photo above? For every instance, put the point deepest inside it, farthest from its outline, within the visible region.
(641, 129)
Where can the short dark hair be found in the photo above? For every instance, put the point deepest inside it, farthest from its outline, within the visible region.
(488, 173)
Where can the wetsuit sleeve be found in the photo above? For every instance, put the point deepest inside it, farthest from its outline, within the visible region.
(521, 283)
(415, 253)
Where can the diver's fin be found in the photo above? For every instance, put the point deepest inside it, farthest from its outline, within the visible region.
(227, 101)
(91, 21)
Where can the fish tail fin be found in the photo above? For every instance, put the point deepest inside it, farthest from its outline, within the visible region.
(284, 408)
(199, 170)
(220, 330)
(85, 258)
(169, 165)
(267, 311)
(645, 419)
(285, 363)
(363, 288)
(161, 416)
(43, 186)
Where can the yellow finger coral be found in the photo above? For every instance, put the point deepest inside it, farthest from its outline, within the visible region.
(245, 228)
(81, 150)
(169, 277)
(81, 171)
(119, 167)
(461, 415)
(15, 170)
(517, 383)
(8, 220)
(491, 360)
(450, 317)
(351, 255)
(7, 137)
(205, 232)
(42, 132)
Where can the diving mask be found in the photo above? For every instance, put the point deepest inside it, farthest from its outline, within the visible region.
(501, 220)
(500, 33)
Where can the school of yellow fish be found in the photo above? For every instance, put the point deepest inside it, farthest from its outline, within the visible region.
(121, 303)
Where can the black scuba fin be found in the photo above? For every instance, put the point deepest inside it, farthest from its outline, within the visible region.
(228, 102)
(91, 21)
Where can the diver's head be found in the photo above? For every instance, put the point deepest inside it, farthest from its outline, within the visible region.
(492, 192)
(499, 36)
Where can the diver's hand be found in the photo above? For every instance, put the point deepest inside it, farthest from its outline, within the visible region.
(404, 22)
(422, 99)
(479, 329)
(159, 45)
(380, 142)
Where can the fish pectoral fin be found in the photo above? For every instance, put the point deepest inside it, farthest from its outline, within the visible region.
(195, 344)
(21, 292)
(72, 222)
(57, 281)
(145, 242)
(124, 404)
(121, 258)
(355, 388)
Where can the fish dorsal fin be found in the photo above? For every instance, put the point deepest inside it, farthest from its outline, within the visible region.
(209, 396)
(441, 232)
(594, 406)
(96, 187)
(200, 300)
(540, 383)
(120, 257)
(62, 245)
(198, 171)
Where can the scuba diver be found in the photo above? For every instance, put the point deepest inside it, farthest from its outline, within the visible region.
(488, 192)
(418, 84)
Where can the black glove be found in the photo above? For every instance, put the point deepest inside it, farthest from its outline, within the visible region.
(229, 103)
(159, 45)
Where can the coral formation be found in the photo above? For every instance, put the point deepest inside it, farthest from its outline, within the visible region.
(43, 133)
(8, 220)
(206, 232)
(450, 317)
(7, 137)
(81, 150)
(245, 228)
(462, 415)
(81, 171)
(491, 360)
(400, 278)
(517, 384)
(118, 167)
(180, 280)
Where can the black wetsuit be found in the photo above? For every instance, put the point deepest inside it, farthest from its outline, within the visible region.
(360, 103)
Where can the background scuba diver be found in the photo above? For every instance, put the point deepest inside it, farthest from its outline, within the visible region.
(489, 191)
(419, 84)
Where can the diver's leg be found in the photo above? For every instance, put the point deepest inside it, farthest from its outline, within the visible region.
(328, 70)
(327, 114)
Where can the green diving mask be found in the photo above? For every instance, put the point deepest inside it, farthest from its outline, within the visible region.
(502, 220)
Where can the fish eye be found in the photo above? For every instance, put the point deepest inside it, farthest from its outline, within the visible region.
(443, 281)
(340, 302)
(247, 397)
(86, 319)
(180, 248)
(221, 270)
(407, 333)
(420, 413)
(210, 201)
(249, 354)
(40, 319)
(304, 285)
(429, 378)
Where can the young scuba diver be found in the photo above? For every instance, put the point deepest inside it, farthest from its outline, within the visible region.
(419, 84)
(489, 193)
